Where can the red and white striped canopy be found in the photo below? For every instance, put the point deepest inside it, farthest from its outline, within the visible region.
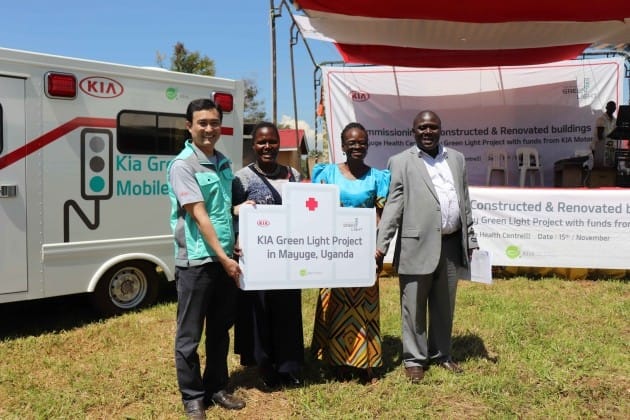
(473, 33)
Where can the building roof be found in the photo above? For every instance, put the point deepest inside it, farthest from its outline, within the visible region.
(288, 140)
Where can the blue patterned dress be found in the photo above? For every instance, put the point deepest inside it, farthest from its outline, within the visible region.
(347, 320)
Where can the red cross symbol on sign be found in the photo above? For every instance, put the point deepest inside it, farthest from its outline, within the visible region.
(311, 204)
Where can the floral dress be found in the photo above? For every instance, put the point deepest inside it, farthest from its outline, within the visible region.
(347, 320)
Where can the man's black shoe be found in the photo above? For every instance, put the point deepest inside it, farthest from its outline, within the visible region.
(195, 410)
(227, 400)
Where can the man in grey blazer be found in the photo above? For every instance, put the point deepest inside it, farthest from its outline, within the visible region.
(428, 204)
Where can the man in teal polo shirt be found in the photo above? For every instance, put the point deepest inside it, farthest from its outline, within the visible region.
(200, 189)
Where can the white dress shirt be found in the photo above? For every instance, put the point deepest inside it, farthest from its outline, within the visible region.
(442, 179)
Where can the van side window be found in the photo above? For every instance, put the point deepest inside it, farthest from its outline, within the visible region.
(150, 133)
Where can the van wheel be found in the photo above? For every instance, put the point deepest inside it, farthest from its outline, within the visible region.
(126, 286)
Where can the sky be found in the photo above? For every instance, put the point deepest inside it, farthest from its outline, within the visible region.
(234, 33)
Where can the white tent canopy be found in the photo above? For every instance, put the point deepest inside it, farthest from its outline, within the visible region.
(465, 34)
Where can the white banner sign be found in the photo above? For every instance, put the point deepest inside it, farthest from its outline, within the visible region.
(553, 228)
(307, 242)
(550, 107)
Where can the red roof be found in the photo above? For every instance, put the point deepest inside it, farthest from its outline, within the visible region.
(288, 140)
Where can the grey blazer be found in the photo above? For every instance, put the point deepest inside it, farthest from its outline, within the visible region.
(413, 208)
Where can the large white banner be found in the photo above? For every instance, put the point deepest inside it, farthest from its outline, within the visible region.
(553, 227)
(551, 107)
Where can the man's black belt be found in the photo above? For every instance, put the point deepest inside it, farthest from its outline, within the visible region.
(456, 234)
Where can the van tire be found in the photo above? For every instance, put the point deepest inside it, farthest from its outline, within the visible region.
(125, 287)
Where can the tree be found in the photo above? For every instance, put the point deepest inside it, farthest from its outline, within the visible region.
(185, 61)
(254, 111)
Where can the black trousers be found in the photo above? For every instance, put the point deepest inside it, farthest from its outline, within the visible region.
(268, 331)
(205, 294)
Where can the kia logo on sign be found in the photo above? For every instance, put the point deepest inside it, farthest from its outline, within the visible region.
(101, 87)
(263, 222)
(358, 96)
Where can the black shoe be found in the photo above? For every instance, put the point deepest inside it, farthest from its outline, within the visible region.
(290, 379)
(195, 410)
(271, 379)
(227, 400)
(342, 373)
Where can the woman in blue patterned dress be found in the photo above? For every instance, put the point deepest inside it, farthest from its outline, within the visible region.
(346, 334)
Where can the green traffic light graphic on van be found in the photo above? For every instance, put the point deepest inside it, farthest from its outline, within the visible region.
(97, 184)
(513, 251)
(96, 164)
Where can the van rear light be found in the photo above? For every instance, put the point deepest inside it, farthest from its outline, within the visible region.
(61, 85)
(225, 101)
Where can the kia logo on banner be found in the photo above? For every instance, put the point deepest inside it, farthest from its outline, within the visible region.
(263, 222)
(358, 96)
(101, 87)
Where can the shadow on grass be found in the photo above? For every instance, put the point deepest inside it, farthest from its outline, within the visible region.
(317, 372)
(42, 316)
(50, 315)
(247, 377)
(465, 347)
(470, 346)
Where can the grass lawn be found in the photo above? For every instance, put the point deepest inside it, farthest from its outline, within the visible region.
(546, 348)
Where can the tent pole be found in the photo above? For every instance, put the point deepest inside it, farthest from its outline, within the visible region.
(273, 14)
(293, 34)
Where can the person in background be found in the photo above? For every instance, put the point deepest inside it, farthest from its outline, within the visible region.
(429, 205)
(268, 329)
(347, 321)
(604, 125)
(200, 189)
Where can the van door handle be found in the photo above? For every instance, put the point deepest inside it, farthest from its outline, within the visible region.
(8, 191)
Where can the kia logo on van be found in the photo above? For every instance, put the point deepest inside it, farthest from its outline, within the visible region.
(358, 96)
(263, 222)
(101, 87)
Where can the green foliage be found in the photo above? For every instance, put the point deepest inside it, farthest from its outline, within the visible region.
(254, 108)
(185, 61)
(548, 348)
